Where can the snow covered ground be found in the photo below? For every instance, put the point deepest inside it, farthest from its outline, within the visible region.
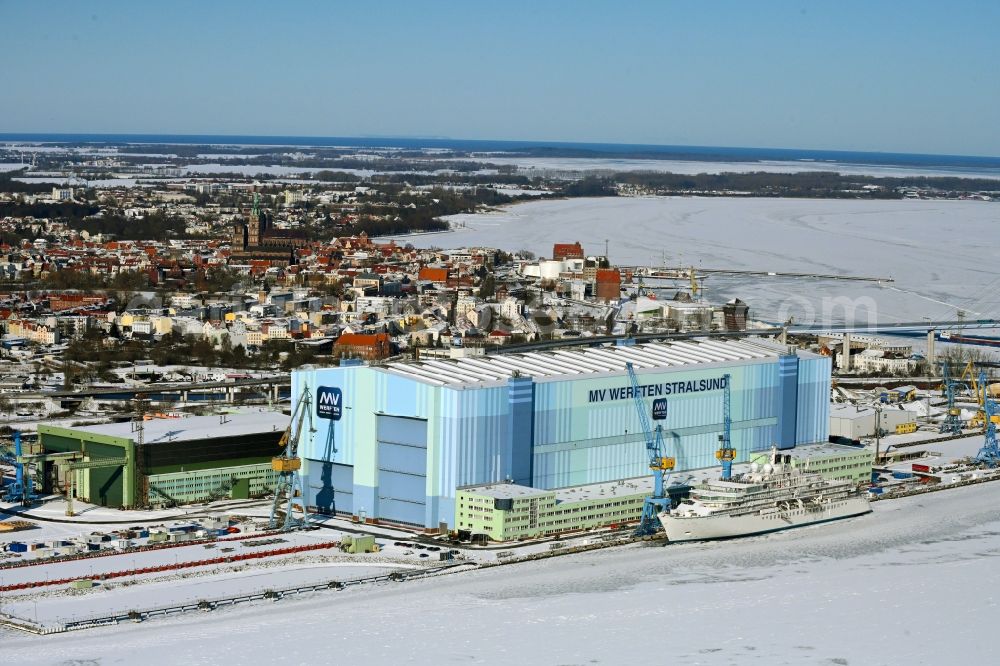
(943, 255)
(913, 583)
(94, 567)
(63, 605)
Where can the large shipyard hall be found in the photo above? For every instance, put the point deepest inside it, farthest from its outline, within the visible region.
(395, 443)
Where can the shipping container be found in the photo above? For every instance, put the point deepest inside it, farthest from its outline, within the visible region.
(918, 467)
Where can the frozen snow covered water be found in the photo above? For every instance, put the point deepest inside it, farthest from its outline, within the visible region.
(943, 255)
(569, 164)
(913, 583)
(251, 169)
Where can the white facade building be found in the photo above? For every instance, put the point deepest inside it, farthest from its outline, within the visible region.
(876, 360)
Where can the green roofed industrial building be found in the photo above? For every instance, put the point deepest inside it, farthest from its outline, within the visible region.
(833, 461)
(506, 511)
(162, 462)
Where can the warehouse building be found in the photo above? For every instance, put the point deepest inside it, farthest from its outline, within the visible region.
(165, 461)
(394, 442)
(855, 421)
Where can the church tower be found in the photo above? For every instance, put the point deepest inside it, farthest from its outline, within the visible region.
(239, 242)
(255, 227)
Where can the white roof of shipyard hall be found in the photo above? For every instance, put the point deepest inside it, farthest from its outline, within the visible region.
(580, 362)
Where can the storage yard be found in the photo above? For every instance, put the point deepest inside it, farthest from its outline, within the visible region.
(60, 576)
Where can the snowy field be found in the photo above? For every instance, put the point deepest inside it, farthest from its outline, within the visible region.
(943, 255)
(911, 583)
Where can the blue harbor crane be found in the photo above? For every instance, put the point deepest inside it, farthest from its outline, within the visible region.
(952, 423)
(726, 453)
(289, 490)
(21, 491)
(660, 464)
(989, 455)
(11, 490)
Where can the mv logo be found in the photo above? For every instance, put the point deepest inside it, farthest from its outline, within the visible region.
(329, 403)
(660, 409)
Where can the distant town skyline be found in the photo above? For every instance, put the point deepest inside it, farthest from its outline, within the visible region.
(854, 76)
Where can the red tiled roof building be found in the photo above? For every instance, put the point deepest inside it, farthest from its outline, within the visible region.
(368, 347)
(562, 251)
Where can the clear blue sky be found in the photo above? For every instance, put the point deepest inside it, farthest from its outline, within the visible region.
(847, 75)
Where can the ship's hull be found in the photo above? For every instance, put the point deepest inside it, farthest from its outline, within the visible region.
(725, 526)
(972, 339)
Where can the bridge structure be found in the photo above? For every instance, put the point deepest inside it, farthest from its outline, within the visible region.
(273, 385)
(684, 273)
(889, 328)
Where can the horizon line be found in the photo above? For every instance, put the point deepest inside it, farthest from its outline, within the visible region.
(51, 137)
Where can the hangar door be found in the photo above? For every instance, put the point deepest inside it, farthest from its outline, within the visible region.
(330, 487)
(402, 469)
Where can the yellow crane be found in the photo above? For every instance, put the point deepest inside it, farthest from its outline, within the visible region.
(289, 493)
(980, 391)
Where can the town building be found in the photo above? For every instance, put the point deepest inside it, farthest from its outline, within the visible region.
(735, 315)
(255, 239)
(561, 251)
(368, 347)
(883, 362)
(608, 284)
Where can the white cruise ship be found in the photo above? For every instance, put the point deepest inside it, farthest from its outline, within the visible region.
(768, 498)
